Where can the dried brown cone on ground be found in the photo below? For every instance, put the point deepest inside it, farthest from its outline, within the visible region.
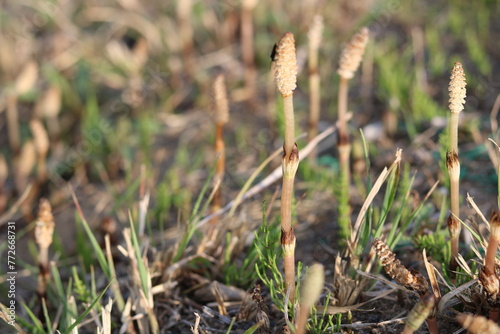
(44, 231)
(410, 279)
(477, 324)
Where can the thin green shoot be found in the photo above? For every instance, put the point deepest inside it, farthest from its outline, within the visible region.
(38, 327)
(87, 310)
(101, 258)
(192, 224)
(141, 266)
(48, 321)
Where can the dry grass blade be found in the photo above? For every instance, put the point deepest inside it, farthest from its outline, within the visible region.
(369, 198)
(446, 300)
(431, 273)
(13, 209)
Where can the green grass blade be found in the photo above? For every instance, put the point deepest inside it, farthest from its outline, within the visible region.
(87, 310)
(143, 274)
(101, 258)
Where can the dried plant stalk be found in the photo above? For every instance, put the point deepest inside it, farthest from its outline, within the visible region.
(42, 147)
(410, 279)
(247, 47)
(457, 100)
(314, 35)
(44, 231)
(184, 9)
(286, 79)
(477, 324)
(310, 293)
(13, 124)
(221, 106)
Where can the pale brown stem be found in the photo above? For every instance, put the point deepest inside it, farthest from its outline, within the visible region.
(286, 204)
(314, 108)
(300, 327)
(247, 50)
(288, 246)
(13, 124)
(454, 117)
(290, 165)
(491, 252)
(432, 325)
(219, 170)
(494, 314)
(454, 225)
(289, 125)
(184, 9)
(44, 274)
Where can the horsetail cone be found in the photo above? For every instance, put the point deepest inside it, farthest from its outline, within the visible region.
(221, 104)
(477, 324)
(457, 88)
(315, 32)
(44, 228)
(286, 65)
(313, 284)
(352, 54)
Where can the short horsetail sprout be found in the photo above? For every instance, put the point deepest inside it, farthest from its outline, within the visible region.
(314, 36)
(487, 274)
(476, 324)
(457, 100)
(491, 252)
(44, 230)
(350, 60)
(412, 280)
(286, 81)
(419, 314)
(221, 107)
(309, 294)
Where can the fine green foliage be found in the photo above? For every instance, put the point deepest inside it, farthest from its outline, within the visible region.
(240, 274)
(267, 244)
